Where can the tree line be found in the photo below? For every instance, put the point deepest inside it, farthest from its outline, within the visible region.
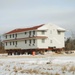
(70, 44)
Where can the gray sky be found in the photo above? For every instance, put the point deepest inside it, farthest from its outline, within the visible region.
(26, 13)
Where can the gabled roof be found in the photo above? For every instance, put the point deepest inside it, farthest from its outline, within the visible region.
(24, 29)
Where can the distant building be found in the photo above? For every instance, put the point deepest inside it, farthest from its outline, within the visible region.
(37, 39)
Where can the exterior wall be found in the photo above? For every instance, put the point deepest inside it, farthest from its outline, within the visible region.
(59, 40)
(8, 46)
(57, 37)
(54, 38)
(23, 35)
(20, 35)
(42, 44)
(27, 45)
(21, 45)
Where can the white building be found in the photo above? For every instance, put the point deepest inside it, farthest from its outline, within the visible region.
(38, 38)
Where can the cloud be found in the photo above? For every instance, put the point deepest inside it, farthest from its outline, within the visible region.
(24, 13)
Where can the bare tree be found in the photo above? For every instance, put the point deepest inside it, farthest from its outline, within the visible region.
(70, 41)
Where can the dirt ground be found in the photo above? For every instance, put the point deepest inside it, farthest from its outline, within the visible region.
(36, 56)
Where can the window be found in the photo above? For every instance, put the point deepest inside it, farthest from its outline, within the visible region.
(10, 43)
(25, 41)
(33, 32)
(6, 43)
(59, 32)
(13, 42)
(43, 40)
(30, 41)
(29, 44)
(50, 41)
(33, 40)
(6, 36)
(29, 32)
(43, 32)
(25, 33)
(13, 35)
(16, 42)
(33, 44)
(10, 36)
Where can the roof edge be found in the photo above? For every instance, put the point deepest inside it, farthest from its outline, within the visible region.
(24, 29)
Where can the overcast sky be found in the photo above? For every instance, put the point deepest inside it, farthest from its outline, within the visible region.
(26, 13)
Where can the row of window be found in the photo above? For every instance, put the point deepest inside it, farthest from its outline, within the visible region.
(30, 41)
(43, 32)
(14, 43)
(30, 32)
(15, 35)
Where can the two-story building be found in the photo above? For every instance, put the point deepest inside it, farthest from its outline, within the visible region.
(37, 39)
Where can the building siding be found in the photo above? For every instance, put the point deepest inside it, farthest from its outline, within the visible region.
(54, 38)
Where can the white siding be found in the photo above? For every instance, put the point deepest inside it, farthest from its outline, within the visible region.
(20, 35)
(41, 44)
(54, 39)
(51, 32)
(21, 45)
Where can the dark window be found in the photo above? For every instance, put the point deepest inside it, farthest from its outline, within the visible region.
(25, 33)
(30, 41)
(13, 35)
(13, 42)
(43, 40)
(33, 44)
(59, 32)
(6, 43)
(25, 41)
(33, 40)
(29, 44)
(16, 42)
(29, 32)
(10, 43)
(10, 36)
(33, 32)
(6, 36)
(43, 32)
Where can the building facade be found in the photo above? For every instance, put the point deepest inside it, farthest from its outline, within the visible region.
(38, 38)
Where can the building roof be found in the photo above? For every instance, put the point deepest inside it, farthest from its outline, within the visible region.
(24, 29)
(61, 29)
